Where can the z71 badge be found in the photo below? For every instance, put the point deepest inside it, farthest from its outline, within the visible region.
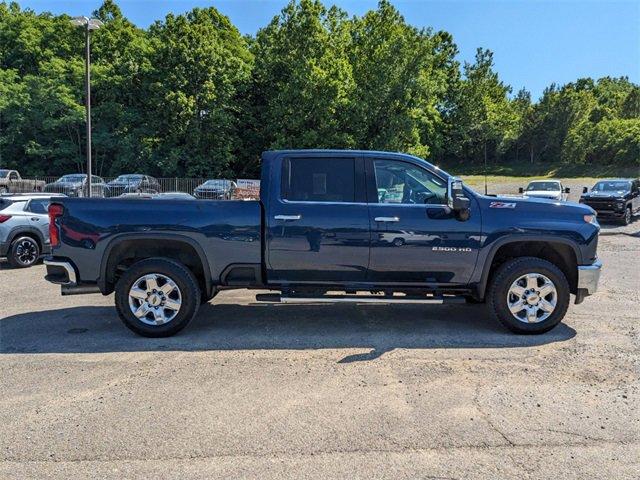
(502, 205)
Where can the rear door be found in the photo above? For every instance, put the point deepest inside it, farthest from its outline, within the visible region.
(317, 221)
(415, 237)
(38, 215)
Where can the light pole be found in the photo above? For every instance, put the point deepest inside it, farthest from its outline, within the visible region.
(88, 24)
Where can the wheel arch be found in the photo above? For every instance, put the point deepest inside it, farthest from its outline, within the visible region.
(562, 252)
(127, 249)
(23, 231)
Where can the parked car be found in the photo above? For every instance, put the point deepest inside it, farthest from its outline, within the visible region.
(552, 189)
(12, 182)
(133, 183)
(24, 228)
(317, 229)
(75, 185)
(614, 199)
(218, 189)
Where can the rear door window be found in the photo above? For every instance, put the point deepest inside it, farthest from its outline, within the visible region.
(39, 206)
(318, 179)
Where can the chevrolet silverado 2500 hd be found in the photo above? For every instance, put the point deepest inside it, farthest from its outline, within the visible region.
(330, 226)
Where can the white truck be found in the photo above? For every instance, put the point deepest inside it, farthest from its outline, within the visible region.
(12, 182)
(551, 189)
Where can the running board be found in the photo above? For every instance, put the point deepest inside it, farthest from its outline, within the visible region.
(440, 300)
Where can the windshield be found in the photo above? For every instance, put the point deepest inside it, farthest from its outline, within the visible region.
(543, 186)
(4, 173)
(129, 178)
(218, 183)
(614, 186)
(72, 178)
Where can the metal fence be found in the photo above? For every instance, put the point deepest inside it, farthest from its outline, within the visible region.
(111, 187)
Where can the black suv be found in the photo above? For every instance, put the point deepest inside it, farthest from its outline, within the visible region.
(615, 199)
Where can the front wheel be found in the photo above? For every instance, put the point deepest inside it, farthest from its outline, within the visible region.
(529, 295)
(626, 220)
(157, 297)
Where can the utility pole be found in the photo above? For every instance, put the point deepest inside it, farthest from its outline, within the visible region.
(88, 24)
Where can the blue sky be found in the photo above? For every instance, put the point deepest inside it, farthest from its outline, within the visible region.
(535, 43)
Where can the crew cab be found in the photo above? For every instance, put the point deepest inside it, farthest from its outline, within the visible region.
(614, 199)
(12, 182)
(326, 230)
(551, 189)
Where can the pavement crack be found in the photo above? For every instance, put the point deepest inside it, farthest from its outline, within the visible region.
(487, 419)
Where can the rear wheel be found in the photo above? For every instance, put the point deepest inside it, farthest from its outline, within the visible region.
(24, 252)
(157, 297)
(529, 295)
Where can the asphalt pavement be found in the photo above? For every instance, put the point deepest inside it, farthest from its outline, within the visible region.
(253, 390)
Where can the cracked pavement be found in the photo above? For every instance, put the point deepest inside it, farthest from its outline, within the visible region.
(286, 391)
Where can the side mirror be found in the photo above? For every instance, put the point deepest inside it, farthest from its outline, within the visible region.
(585, 189)
(567, 190)
(521, 190)
(457, 200)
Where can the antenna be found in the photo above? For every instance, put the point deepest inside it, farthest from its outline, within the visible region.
(485, 167)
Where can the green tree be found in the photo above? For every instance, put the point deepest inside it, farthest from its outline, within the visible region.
(198, 64)
(484, 119)
(302, 80)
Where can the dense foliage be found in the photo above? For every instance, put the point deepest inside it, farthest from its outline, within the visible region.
(191, 96)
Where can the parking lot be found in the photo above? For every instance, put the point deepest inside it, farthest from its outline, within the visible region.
(276, 391)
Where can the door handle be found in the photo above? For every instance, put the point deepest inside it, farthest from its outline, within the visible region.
(387, 219)
(288, 217)
(35, 219)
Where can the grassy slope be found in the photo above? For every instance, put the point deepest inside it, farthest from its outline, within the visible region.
(524, 172)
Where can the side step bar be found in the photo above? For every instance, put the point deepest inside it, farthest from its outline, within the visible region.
(439, 300)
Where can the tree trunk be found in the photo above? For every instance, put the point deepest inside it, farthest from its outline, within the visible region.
(531, 152)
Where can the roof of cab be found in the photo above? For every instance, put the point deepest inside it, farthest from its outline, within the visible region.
(271, 154)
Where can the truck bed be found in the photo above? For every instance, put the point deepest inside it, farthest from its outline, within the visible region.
(227, 232)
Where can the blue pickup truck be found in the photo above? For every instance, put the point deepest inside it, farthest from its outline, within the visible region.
(330, 226)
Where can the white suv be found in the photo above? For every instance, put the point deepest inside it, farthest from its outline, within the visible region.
(24, 228)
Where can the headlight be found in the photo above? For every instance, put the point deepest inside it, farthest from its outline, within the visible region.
(620, 204)
(590, 219)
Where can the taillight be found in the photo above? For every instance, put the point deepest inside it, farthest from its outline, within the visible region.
(4, 218)
(55, 211)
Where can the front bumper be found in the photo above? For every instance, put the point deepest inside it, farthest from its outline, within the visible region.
(588, 278)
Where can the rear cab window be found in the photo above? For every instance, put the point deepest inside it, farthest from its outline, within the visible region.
(319, 179)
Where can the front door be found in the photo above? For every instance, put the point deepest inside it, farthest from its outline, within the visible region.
(318, 223)
(415, 236)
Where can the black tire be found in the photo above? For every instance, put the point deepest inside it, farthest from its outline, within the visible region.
(175, 271)
(507, 274)
(3, 190)
(628, 216)
(23, 252)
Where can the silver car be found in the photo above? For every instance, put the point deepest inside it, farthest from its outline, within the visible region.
(24, 228)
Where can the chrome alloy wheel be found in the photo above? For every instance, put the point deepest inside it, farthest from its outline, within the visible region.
(532, 298)
(26, 252)
(155, 299)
